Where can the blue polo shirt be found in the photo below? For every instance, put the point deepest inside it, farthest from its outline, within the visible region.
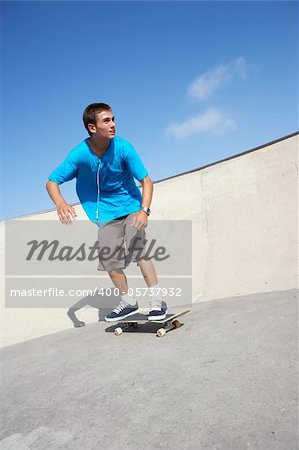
(105, 186)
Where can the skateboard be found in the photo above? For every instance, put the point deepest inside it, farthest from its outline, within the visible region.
(170, 322)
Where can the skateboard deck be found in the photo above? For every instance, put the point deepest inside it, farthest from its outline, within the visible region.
(170, 322)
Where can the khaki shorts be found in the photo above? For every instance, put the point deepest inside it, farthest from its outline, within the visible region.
(120, 243)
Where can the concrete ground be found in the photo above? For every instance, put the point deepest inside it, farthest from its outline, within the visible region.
(227, 379)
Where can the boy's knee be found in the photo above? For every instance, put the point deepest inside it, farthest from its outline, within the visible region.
(115, 272)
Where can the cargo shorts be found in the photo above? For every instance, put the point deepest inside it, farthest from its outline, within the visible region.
(120, 243)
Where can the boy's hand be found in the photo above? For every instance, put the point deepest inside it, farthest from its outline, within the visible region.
(66, 212)
(140, 221)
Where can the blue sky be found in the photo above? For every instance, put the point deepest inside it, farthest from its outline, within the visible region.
(189, 83)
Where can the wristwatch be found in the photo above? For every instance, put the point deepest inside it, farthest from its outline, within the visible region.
(146, 210)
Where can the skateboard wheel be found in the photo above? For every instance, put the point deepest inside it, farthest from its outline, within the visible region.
(161, 332)
(176, 324)
(118, 331)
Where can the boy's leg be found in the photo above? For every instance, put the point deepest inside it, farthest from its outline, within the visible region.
(128, 304)
(111, 237)
(119, 280)
(148, 271)
(136, 245)
(158, 307)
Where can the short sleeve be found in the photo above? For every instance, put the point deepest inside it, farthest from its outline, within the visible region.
(66, 171)
(134, 163)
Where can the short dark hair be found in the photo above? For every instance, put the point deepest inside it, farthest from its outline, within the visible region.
(90, 112)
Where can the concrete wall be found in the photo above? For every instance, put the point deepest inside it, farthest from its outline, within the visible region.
(245, 240)
(244, 212)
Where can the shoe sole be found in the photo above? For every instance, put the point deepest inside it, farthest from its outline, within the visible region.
(163, 316)
(118, 319)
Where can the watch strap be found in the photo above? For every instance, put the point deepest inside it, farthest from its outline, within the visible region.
(146, 210)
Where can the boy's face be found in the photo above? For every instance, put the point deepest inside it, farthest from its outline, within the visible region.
(105, 125)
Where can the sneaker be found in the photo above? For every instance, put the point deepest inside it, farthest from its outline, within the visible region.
(158, 310)
(122, 311)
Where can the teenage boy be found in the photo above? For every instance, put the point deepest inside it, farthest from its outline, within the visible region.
(105, 166)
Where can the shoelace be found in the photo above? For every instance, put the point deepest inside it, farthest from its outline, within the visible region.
(121, 307)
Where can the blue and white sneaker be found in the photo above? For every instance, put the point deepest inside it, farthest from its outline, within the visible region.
(158, 310)
(122, 311)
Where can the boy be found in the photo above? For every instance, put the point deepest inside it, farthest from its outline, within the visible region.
(105, 166)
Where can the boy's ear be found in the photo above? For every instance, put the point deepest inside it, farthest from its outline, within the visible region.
(91, 127)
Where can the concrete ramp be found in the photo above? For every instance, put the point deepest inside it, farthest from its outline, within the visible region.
(226, 380)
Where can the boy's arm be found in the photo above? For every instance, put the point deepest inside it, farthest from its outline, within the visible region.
(140, 221)
(66, 212)
(147, 191)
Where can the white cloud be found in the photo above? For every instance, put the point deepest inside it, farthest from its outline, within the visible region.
(216, 78)
(211, 119)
